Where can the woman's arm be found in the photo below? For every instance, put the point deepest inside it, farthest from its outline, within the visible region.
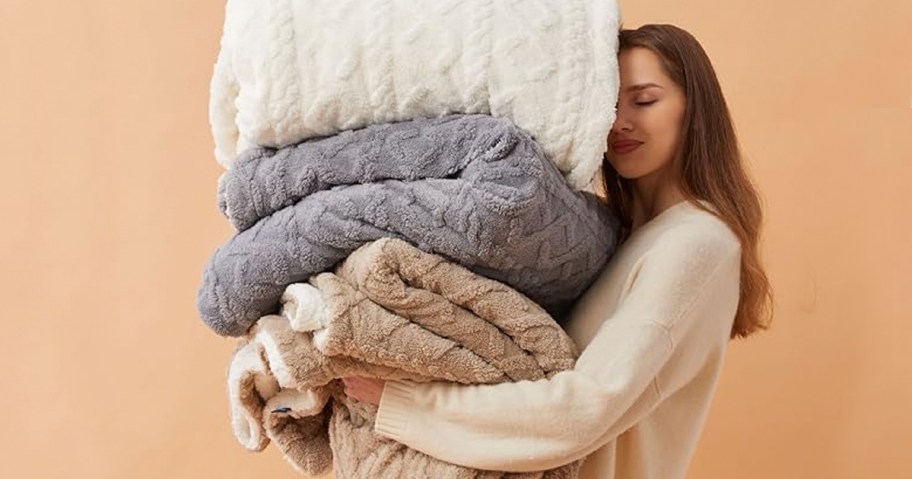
(537, 425)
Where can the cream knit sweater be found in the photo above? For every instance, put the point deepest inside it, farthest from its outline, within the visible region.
(653, 330)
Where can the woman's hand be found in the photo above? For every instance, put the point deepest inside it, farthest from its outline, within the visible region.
(364, 389)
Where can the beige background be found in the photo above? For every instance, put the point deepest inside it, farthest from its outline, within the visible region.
(108, 190)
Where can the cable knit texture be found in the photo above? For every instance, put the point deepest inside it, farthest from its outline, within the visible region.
(290, 70)
(473, 188)
(395, 312)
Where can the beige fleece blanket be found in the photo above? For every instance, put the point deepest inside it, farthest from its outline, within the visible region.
(389, 311)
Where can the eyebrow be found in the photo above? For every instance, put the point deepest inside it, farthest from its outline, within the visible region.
(642, 86)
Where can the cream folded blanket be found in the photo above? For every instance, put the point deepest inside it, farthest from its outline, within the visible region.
(291, 70)
(391, 311)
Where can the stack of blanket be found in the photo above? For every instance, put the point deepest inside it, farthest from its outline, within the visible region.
(373, 205)
(405, 180)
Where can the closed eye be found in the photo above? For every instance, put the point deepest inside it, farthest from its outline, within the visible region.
(645, 103)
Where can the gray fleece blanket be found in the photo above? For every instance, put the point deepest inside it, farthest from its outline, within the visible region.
(472, 188)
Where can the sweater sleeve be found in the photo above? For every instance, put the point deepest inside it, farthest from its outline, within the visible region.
(529, 426)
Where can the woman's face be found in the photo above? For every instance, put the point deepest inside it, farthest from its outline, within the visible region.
(646, 133)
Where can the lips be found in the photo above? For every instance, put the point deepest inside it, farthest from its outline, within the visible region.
(624, 146)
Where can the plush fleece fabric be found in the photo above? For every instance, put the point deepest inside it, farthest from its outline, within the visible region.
(473, 188)
(291, 70)
(395, 312)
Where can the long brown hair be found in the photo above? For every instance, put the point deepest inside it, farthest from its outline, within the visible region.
(710, 168)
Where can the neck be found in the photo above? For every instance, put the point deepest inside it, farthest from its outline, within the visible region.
(651, 196)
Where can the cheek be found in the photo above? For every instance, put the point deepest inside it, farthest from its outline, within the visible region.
(675, 124)
(666, 130)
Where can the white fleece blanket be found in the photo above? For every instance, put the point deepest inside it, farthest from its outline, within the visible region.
(290, 70)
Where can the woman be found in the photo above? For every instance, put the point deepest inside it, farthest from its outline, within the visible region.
(654, 327)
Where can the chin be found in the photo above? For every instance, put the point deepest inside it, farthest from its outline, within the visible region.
(627, 174)
(627, 168)
(630, 177)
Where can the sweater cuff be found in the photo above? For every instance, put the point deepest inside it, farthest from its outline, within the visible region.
(396, 400)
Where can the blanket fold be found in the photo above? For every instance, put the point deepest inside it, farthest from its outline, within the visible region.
(516, 335)
(408, 310)
(264, 180)
(501, 210)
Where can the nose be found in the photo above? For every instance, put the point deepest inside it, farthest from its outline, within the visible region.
(621, 122)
